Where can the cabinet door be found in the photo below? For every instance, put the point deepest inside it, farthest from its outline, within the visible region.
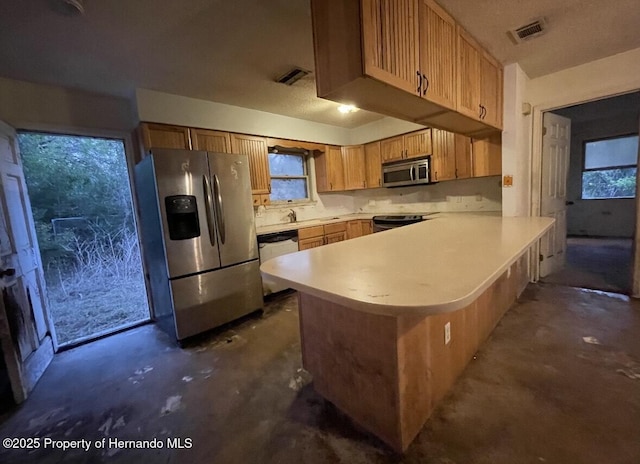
(390, 42)
(329, 170)
(209, 140)
(491, 91)
(392, 149)
(443, 159)
(335, 237)
(256, 149)
(463, 156)
(305, 244)
(486, 155)
(367, 226)
(418, 144)
(354, 229)
(354, 167)
(468, 75)
(438, 57)
(373, 165)
(164, 136)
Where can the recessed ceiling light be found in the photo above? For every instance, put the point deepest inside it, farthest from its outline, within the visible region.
(347, 109)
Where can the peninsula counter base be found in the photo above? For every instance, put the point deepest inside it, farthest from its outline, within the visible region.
(387, 373)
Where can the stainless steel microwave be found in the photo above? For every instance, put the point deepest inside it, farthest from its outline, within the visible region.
(407, 172)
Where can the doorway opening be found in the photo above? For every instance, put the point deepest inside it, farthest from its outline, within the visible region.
(600, 195)
(83, 213)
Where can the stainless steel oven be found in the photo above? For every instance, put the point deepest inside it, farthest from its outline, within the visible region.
(406, 172)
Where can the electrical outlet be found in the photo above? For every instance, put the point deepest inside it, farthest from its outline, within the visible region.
(447, 333)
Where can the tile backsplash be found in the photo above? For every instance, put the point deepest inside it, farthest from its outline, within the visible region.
(478, 194)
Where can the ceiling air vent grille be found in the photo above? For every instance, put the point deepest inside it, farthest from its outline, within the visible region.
(292, 76)
(529, 31)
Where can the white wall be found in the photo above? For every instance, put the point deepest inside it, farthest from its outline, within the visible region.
(516, 156)
(480, 194)
(608, 218)
(25, 105)
(609, 76)
(184, 111)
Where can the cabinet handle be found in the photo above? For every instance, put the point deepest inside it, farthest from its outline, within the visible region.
(419, 82)
(436, 174)
(426, 87)
(456, 173)
(269, 187)
(480, 115)
(330, 186)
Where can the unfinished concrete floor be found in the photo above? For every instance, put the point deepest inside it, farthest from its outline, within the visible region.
(599, 263)
(537, 392)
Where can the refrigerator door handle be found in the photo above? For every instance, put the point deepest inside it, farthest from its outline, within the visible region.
(219, 208)
(208, 208)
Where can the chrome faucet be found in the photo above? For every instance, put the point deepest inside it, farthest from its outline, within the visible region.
(292, 216)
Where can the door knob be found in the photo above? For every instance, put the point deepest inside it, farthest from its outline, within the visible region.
(7, 272)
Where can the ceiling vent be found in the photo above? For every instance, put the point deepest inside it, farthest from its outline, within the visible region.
(292, 76)
(529, 31)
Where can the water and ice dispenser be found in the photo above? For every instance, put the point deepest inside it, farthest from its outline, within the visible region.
(182, 217)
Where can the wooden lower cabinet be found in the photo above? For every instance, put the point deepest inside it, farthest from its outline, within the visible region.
(305, 244)
(311, 237)
(335, 237)
(358, 228)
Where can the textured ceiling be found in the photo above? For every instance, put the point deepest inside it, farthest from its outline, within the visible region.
(231, 51)
(578, 31)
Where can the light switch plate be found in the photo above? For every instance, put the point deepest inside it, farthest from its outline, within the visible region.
(507, 181)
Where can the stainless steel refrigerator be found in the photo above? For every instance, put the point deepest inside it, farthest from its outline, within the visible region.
(198, 238)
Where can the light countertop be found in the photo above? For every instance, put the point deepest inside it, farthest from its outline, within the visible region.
(282, 227)
(438, 265)
(286, 226)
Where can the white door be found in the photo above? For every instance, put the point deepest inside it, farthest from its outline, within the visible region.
(556, 141)
(25, 328)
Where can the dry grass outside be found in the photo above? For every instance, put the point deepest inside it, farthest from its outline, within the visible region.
(104, 289)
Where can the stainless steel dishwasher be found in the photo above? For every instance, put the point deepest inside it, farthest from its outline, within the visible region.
(272, 246)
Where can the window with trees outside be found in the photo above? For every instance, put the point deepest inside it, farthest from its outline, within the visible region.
(289, 178)
(610, 168)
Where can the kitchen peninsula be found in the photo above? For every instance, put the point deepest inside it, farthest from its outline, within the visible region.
(388, 321)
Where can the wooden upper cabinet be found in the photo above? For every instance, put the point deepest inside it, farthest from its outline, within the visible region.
(164, 136)
(353, 162)
(438, 58)
(392, 149)
(412, 145)
(463, 156)
(403, 58)
(391, 42)
(486, 155)
(417, 144)
(256, 149)
(209, 140)
(480, 82)
(329, 170)
(373, 165)
(468, 75)
(491, 90)
(443, 161)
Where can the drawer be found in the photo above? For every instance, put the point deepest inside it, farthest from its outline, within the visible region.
(333, 228)
(310, 232)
